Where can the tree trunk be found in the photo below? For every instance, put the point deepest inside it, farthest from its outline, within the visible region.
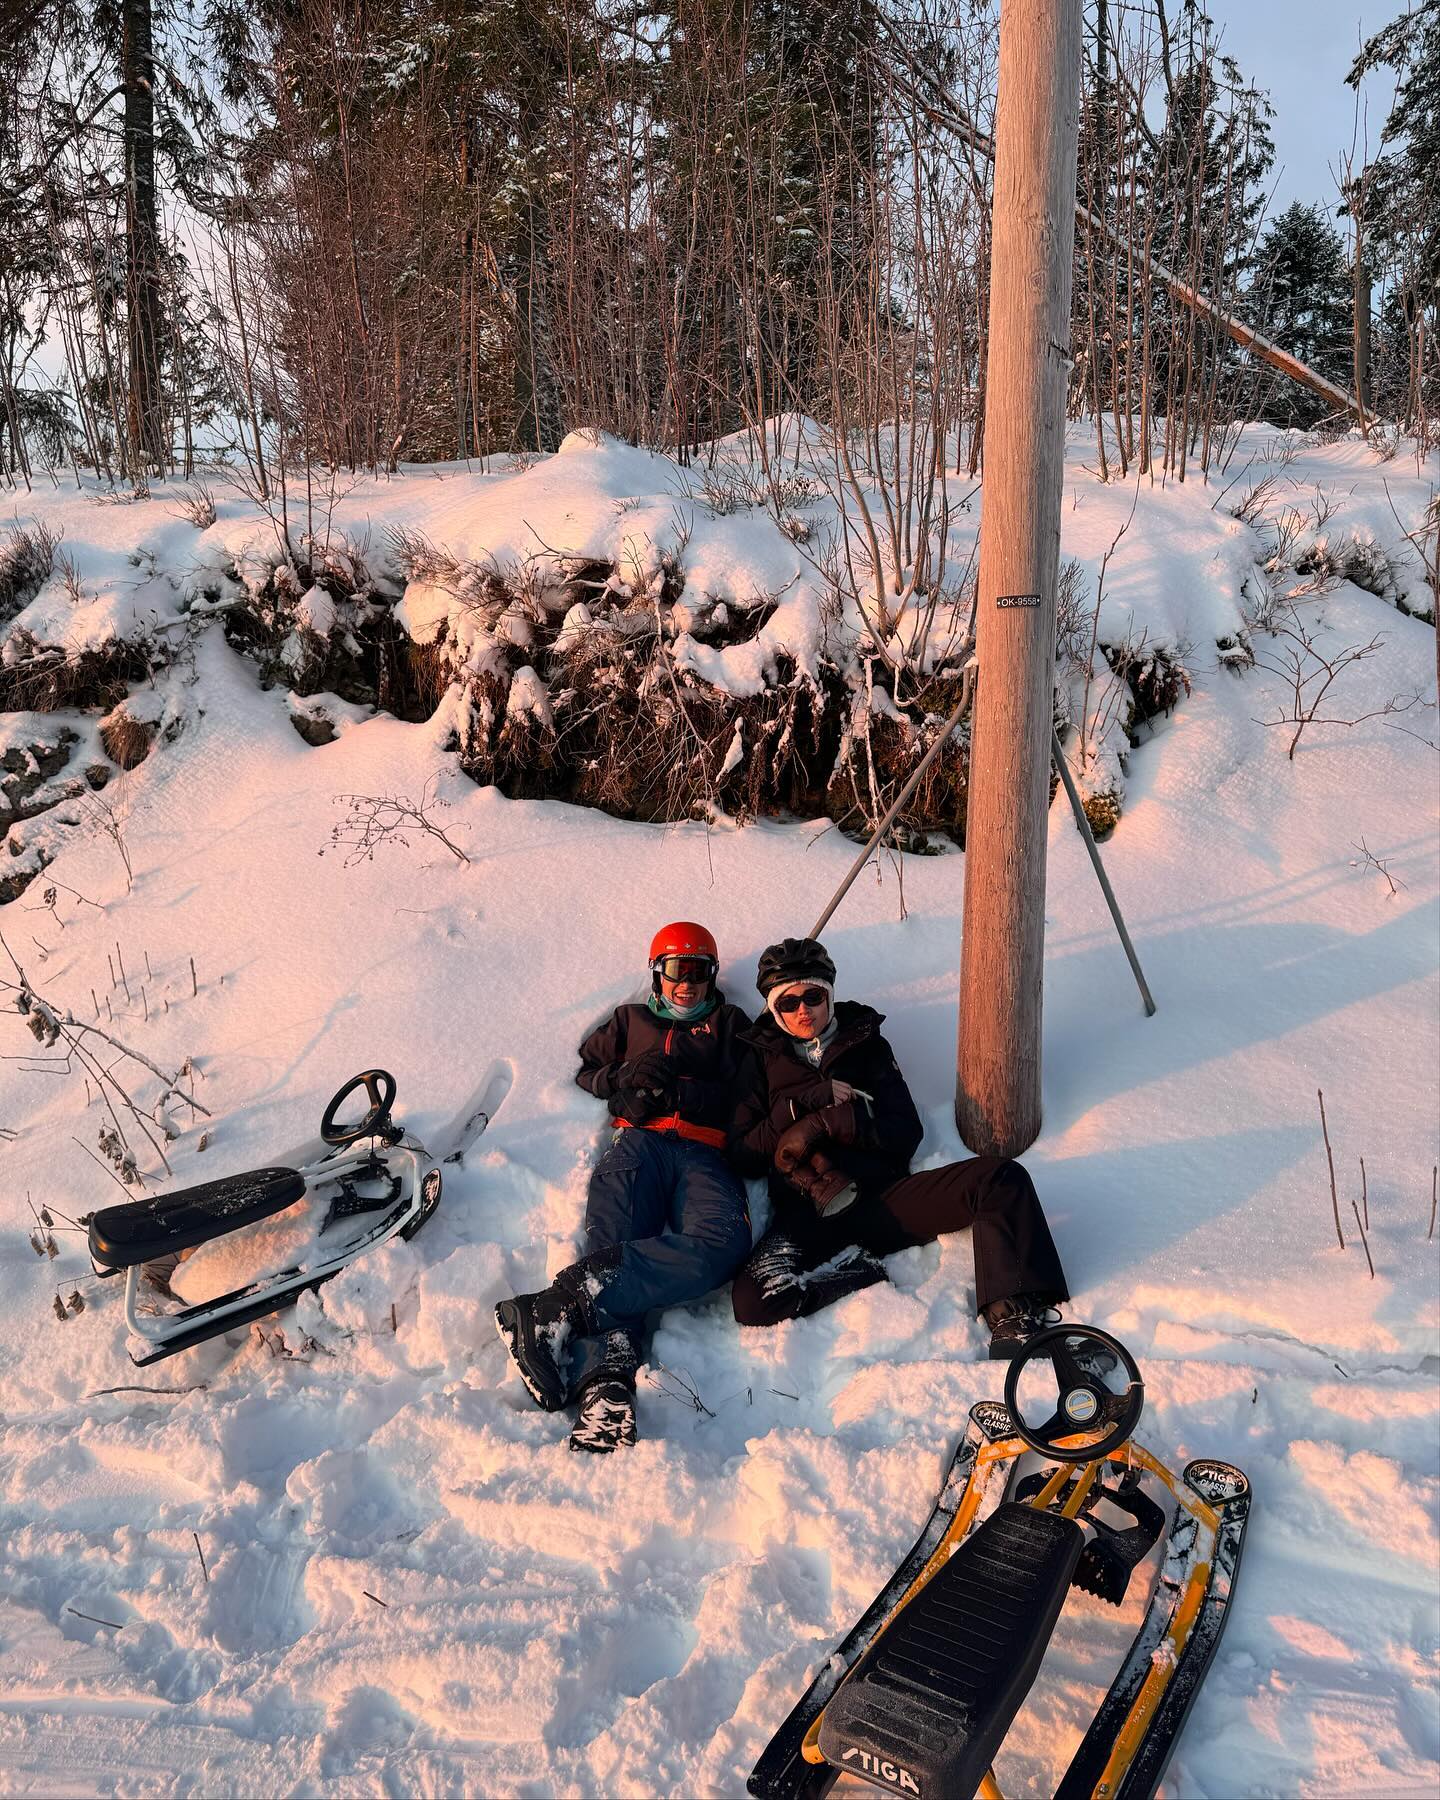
(537, 403)
(997, 1094)
(1360, 276)
(145, 430)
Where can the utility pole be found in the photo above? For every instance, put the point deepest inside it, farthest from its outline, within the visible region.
(997, 1089)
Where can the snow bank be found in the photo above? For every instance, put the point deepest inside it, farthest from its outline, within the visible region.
(412, 1584)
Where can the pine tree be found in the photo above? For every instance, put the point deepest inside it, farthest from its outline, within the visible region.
(1301, 298)
(1400, 191)
(110, 111)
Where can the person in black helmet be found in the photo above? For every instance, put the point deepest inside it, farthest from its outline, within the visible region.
(828, 1117)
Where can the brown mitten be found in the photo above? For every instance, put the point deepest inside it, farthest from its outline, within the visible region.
(797, 1141)
(828, 1188)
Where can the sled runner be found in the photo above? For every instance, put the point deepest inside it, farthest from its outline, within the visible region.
(918, 1697)
(358, 1199)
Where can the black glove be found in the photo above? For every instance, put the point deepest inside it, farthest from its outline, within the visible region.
(645, 1087)
(651, 1071)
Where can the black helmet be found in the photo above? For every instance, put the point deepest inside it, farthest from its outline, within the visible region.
(794, 959)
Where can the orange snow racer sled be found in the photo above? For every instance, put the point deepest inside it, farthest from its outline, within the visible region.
(919, 1696)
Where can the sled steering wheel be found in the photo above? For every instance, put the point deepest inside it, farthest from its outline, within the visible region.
(1084, 1401)
(379, 1084)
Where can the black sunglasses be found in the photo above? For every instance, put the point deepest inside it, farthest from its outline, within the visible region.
(811, 997)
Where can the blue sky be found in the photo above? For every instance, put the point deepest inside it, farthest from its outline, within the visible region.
(1300, 50)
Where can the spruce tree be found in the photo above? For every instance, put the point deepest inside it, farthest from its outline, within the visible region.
(1400, 191)
(1302, 299)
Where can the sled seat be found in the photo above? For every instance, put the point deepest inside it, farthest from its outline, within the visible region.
(928, 1705)
(141, 1230)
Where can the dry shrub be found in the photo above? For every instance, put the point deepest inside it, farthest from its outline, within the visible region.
(127, 740)
(621, 726)
(413, 677)
(1074, 613)
(792, 734)
(356, 659)
(880, 755)
(197, 506)
(27, 561)
(43, 678)
(640, 739)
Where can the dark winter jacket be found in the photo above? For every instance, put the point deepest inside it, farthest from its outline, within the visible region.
(780, 1088)
(706, 1056)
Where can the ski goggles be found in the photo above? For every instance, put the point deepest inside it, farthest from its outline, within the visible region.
(812, 997)
(684, 968)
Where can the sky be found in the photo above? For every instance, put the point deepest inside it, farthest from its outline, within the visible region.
(1301, 51)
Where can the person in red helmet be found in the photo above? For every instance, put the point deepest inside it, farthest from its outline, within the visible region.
(666, 1218)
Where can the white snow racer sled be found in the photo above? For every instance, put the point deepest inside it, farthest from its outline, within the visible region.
(919, 1696)
(358, 1198)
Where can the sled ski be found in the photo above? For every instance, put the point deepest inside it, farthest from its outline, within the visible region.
(361, 1198)
(919, 1696)
(481, 1109)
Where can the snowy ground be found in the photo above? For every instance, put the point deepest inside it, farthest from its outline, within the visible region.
(561, 1625)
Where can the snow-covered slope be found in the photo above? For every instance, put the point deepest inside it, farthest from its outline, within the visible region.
(639, 1624)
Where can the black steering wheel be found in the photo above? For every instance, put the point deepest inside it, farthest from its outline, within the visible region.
(379, 1084)
(1084, 1402)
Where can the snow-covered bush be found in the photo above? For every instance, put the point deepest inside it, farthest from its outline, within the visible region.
(47, 677)
(317, 616)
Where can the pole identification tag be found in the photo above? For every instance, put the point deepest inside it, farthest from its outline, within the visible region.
(1017, 599)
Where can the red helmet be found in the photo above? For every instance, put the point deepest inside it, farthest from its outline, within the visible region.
(683, 938)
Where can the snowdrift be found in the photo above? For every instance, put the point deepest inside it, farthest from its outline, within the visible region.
(409, 1583)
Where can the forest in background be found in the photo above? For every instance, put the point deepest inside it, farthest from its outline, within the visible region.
(271, 247)
(327, 231)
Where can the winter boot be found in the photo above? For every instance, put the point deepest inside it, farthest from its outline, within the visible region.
(606, 1420)
(774, 1267)
(535, 1329)
(1015, 1321)
(847, 1274)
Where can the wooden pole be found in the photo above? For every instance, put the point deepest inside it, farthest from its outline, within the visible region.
(997, 1090)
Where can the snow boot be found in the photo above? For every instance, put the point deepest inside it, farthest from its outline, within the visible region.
(535, 1328)
(775, 1265)
(1015, 1321)
(847, 1274)
(606, 1420)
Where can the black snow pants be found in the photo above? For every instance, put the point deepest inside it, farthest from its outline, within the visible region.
(993, 1195)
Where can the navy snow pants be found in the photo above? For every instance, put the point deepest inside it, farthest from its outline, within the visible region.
(679, 1216)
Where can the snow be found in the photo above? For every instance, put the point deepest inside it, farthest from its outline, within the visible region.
(412, 1584)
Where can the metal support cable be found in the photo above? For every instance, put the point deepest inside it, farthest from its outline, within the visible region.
(1058, 753)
